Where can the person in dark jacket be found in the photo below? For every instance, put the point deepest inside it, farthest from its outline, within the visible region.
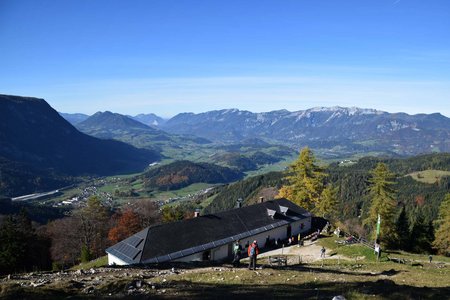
(253, 251)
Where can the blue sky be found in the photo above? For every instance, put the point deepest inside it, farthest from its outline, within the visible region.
(170, 56)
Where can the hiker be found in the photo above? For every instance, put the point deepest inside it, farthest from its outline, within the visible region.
(430, 258)
(237, 249)
(376, 248)
(322, 252)
(337, 232)
(378, 251)
(253, 252)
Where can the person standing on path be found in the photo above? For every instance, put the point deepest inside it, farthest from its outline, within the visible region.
(253, 252)
(237, 249)
(322, 252)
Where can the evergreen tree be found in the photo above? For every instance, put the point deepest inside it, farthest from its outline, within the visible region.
(94, 226)
(383, 203)
(402, 226)
(85, 254)
(21, 249)
(420, 240)
(171, 214)
(327, 206)
(305, 181)
(12, 247)
(442, 225)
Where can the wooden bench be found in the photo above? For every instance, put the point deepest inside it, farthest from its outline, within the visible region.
(278, 260)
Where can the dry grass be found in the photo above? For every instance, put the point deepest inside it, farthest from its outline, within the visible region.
(429, 176)
(323, 279)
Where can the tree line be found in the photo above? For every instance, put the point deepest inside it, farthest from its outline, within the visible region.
(353, 196)
(64, 242)
(380, 213)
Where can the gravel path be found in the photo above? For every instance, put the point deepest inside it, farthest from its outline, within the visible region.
(309, 252)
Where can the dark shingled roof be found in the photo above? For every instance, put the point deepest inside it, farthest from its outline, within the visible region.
(178, 239)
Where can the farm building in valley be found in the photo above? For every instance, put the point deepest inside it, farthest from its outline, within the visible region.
(210, 237)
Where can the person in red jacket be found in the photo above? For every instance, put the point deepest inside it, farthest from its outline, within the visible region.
(253, 251)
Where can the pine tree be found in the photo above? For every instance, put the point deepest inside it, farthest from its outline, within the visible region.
(21, 249)
(171, 214)
(305, 181)
(442, 224)
(402, 226)
(327, 206)
(420, 239)
(12, 247)
(383, 203)
(94, 226)
(85, 254)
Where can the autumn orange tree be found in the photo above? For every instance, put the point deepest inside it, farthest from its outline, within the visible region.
(128, 223)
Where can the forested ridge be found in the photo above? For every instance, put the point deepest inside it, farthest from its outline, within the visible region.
(418, 202)
(417, 197)
(183, 173)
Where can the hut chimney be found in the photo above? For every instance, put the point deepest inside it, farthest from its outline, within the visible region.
(261, 199)
(197, 213)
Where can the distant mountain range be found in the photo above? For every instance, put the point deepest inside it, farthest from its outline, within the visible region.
(33, 134)
(74, 118)
(151, 120)
(108, 125)
(333, 131)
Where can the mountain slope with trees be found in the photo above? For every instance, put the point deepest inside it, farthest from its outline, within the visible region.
(108, 125)
(183, 173)
(32, 133)
(416, 203)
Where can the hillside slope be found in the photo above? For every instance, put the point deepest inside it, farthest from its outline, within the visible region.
(183, 173)
(352, 183)
(33, 133)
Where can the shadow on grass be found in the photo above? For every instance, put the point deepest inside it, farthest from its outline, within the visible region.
(384, 289)
(318, 269)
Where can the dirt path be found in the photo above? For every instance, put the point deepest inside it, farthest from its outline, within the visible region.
(309, 252)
